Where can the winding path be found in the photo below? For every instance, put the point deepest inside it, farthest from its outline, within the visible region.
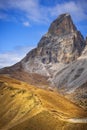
(77, 120)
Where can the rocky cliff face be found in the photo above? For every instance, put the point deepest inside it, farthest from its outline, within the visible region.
(63, 43)
(72, 80)
(86, 40)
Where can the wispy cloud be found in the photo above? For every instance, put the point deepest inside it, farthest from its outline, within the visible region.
(26, 24)
(74, 8)
(31, 9)
(7, 59)
(11, 57)
(34, 11)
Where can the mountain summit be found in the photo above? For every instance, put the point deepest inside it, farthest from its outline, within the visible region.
(63, 43)
(62, 25)
(58, 58)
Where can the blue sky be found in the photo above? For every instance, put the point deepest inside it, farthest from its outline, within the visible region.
(23, 22)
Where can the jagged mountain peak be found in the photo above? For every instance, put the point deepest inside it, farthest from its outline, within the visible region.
(62, 25)
(63, 43)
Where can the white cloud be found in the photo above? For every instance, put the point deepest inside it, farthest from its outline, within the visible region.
(11, 57)
(75, 9)
(30, 8)
(26, 24)
(33, 10)
(8, 59)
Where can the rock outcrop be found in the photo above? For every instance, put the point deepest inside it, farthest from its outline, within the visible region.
(61, 44)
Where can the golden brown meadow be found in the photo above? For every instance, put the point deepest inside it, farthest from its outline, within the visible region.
(26, 107)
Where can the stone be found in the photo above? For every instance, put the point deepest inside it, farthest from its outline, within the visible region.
(63, 43)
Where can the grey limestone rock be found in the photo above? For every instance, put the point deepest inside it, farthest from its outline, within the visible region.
(63, 43)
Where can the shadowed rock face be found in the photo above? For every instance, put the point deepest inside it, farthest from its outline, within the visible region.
(86, 40)
(62, 25)
(61, 44)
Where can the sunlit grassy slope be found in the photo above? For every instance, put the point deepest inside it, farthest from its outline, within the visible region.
(26, 107)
